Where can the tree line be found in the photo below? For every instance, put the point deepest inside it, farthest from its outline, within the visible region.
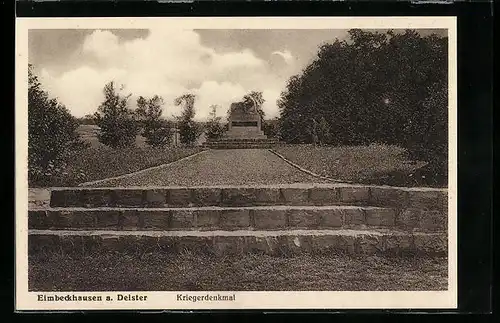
(373, 88)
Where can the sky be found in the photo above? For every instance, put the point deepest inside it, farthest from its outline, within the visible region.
(218, 66)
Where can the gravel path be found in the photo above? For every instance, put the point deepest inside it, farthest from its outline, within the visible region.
(220, 167)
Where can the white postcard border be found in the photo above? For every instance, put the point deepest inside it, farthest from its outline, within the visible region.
(26, 300)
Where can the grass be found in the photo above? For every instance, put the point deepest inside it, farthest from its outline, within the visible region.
(188, 271)
(374, 164)
(96, 163)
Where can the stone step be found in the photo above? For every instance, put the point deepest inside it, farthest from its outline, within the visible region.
(232, 218)
(241, 140)
(365, 242)
(227, 147)
(287, 194)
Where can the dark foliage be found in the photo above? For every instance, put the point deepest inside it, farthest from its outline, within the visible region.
(189, 130)
(155, 129)
(375, 88)
(52, 136)
(214, 127)
(118, 127)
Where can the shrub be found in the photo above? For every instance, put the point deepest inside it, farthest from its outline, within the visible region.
(156, 130)
(189, 130)
(52, 136)
(118, 127)
(214, 128)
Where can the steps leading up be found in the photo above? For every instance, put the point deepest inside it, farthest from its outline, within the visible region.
(241, 143)
(291, 218)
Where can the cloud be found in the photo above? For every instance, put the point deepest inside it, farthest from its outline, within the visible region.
(285, 54)
(168, 63)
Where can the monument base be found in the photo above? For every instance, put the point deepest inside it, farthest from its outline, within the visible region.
(241, 143)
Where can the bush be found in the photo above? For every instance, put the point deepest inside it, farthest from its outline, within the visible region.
(189, 130)
(214, 128)
(118, 127)
(156, 130)
(52, 136)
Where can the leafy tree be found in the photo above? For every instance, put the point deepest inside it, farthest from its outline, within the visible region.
(255, 98)
(118, 127)
(52, 135)
(374, 87)
(189, 130)
(155, 129)
(215, 129)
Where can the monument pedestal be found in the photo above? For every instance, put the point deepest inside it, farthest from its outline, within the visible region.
(244, 131)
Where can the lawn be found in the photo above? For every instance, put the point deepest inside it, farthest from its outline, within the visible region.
(101, 162)
(374, 164)
(157, 271)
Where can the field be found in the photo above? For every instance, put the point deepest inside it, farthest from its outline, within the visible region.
(157, 271)
(374, 164)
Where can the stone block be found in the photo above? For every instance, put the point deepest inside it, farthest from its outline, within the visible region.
(398, 244)
(408, 218)
(235, 218)
(81, 219)
(432, 220)
(207, 196)
(108, 219)
(155, 220)
(130, 220)
(250, 196)
(331, 218)
(270, 219)
(431, 243)
(354, 194)
(59, 219)
(128, 197)
(370, 244)
(295, 196)
(323, 195)
(425, 200)
(304, 218)
(182, 219)
(97, 198)
(353, 216)
(380, 217)
(62, 198)
(38, 219)
(180, 197)
(388, 196)
(443, 202)
(228, 245)
(207, 219)
(155, 198)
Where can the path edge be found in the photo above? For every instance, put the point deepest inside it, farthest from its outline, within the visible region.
(302, 169)
(142, 170)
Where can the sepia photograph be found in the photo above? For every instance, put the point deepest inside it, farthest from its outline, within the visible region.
(210, 160)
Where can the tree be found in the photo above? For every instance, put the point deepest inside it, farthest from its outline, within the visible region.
(118, 127)
(188, 129)
(215, 129)
(52, 135)
(155, 129)
(256, 99)
(374, 87)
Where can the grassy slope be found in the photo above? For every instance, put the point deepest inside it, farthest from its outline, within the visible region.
(99, 161)
(373, 164)
(158, 271)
